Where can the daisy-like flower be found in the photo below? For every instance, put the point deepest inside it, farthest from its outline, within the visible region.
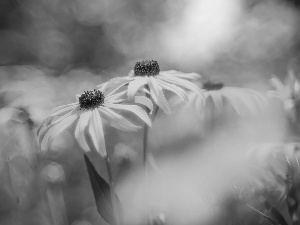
(148, 78)
(288, 92)
(243, 100)
(88, 114)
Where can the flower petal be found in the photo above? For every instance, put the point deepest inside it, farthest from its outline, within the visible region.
(132, 108)
(96, 132)
(51, 122)
(144, 101)
(62, 107)
(53, 131)
(131, 73)
(277, 84)
(102, 86)
(64, 110)
(145, 91)
(64, 116)
(116, 120)
(171, 87)
(80, 130)
(43, 133)
(180, 82)
(199, 102)
(115, 96)
(158, 96)
(245, 101)
(291, 78)
(45, 123)
(135, 85)
(189, 76)
(114, 84)
(216, 96)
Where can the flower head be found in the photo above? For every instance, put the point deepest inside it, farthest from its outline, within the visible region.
(88, 114)
(209, 86)
(146, 68)
(91, 99)
(148, 78)
(288, 92)
(243, 100)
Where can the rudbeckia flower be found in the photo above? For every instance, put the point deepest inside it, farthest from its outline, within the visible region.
(148, 78)
(288, 92)
(88, 114)
(243, 100)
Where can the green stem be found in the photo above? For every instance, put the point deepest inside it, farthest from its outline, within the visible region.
(112, 191)
(261, 213)
(145, 157)
(145, 143)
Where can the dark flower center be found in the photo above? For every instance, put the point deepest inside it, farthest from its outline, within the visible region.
(212, 86)
(91, 99)
(146, 68)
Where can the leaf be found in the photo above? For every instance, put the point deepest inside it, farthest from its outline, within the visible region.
(271, 221)
(279, 218)
(102, 193)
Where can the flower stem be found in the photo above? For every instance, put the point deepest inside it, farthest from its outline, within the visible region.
(145, 157)
(145, 153)
(112, 191)
(145, 143)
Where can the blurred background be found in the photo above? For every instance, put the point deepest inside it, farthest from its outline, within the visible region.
(214, 38)
(52, 50)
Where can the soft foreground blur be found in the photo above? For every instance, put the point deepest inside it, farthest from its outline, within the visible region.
(201, 173)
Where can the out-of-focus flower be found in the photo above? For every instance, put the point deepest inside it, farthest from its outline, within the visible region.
(147, 77)
(243, 100)
(88, 114)
(273, 168)
(29, 89)
(287, 91)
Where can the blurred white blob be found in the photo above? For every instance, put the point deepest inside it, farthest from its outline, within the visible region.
(178, 32)
(123, 152)
(30, 89)
(243, 109)
(186, 188)
(288, 93)
(200, 31)
(193, 181)
(53, 173)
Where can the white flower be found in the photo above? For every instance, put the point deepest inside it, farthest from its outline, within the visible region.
(88, 114)
(147, 77)
(243, 100)
(288, 92)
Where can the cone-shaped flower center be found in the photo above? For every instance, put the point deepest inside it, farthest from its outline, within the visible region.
(146, 68)
(212, 86)
(91, 99)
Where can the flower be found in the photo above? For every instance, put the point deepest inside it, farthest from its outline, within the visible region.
(88, 114)
(243, 100)
(288, 92)
(147, 77)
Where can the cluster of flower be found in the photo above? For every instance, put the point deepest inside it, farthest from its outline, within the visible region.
(108, 99)
(144, 86)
